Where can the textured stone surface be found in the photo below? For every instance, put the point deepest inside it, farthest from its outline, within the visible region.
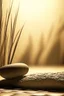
(37, 81)
(43, 80)
(13, 70)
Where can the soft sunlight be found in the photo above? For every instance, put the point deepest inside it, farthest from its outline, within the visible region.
(38, 10)
(38, 15)
(31, 8)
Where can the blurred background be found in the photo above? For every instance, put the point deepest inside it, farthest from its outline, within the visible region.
(42, 38)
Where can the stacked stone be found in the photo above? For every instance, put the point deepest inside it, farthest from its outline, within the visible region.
(14, 70)
(15, 75)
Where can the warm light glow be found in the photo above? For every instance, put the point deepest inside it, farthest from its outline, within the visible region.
(31, 8)
(35, 8)
(39, 16)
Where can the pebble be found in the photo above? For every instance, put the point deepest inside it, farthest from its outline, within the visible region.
(14, 70)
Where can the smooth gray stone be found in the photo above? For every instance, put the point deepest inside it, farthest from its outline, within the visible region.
(13, 70)
(37, 81)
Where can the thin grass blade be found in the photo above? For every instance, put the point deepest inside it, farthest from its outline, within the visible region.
(14, 23)
(5, 51)
(10, 43)
(16, 44)
(12, 34)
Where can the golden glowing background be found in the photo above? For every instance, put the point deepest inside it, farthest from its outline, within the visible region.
(38, 15)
